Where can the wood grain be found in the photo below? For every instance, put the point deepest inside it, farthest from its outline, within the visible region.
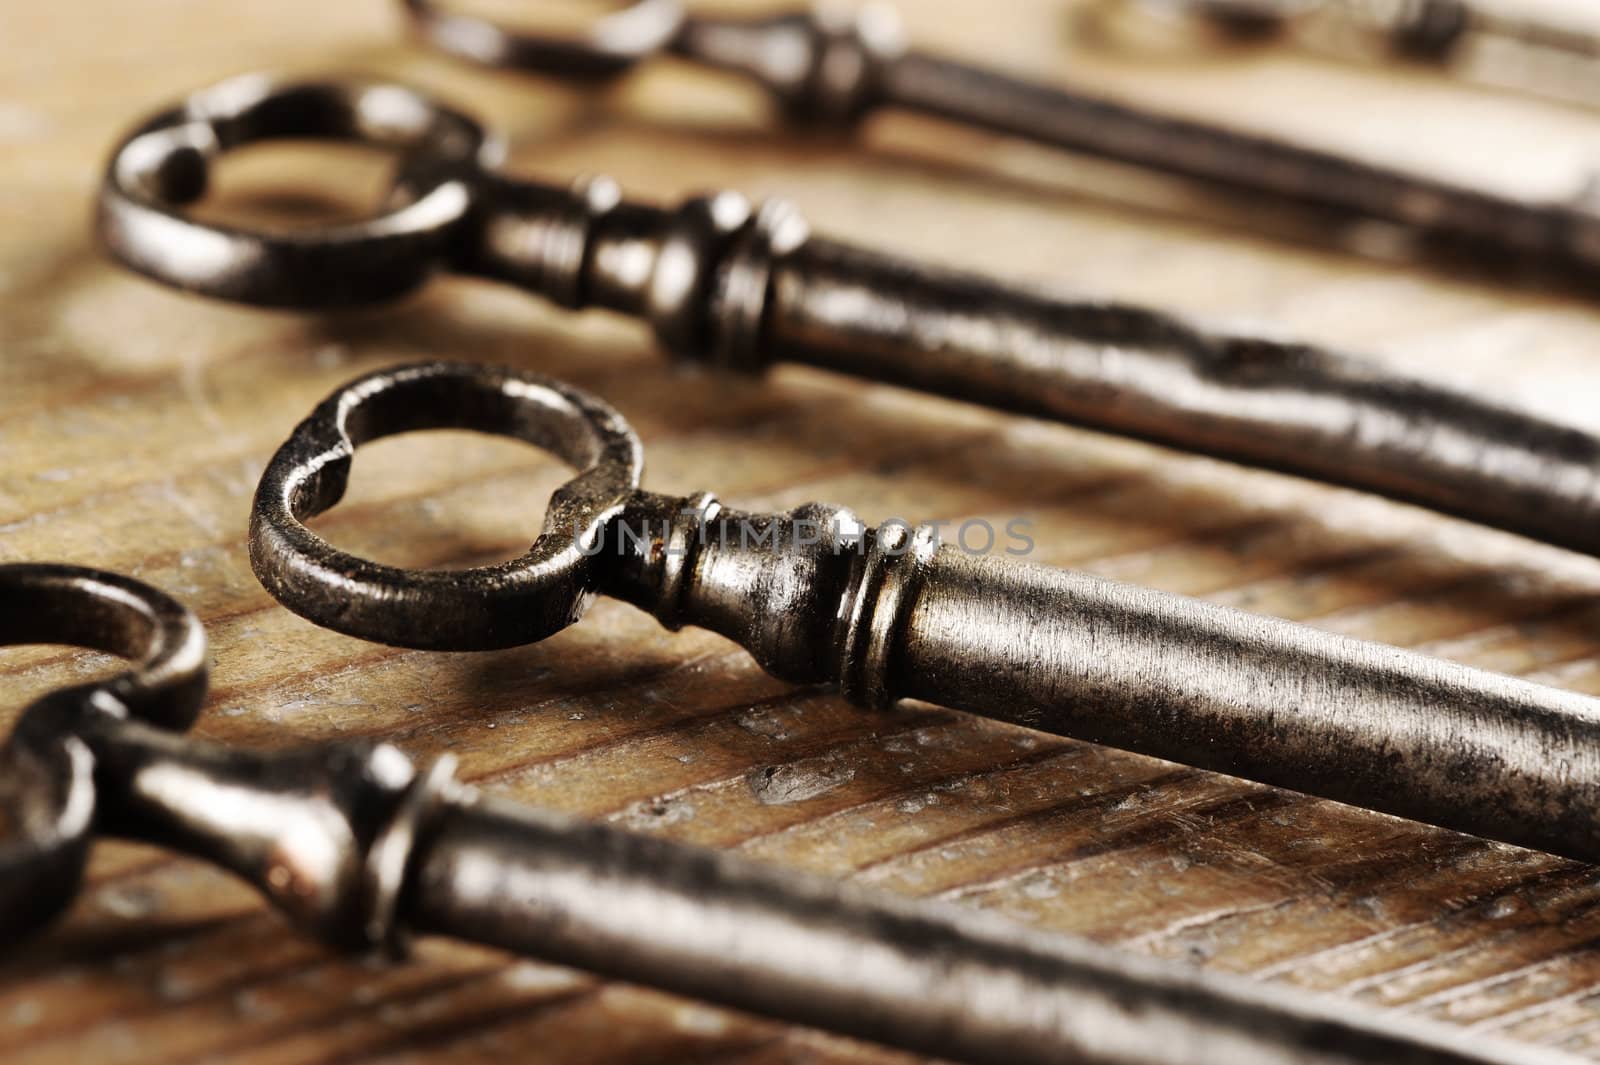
(134, 422)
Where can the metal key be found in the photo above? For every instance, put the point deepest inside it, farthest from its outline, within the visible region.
(889, 614)
(1481, 40)
(744, 289)
(359, 849)
(822, 66)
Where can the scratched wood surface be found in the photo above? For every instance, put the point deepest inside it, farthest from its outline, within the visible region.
(134, 422)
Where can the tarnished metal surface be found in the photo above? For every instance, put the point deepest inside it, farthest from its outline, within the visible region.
(829, 67)
(744, 289)
(890, 613)
(357, 848)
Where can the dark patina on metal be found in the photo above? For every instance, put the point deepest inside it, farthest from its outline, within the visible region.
(359, 848)
(889, 614)
(743, 288)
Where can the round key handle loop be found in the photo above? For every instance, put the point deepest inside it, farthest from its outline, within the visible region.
(165, 165)
(504, 605)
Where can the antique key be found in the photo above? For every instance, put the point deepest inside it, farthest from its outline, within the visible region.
(890, 613)
(822, 66)
(744, 289)
(359, 849)
(1482, 40)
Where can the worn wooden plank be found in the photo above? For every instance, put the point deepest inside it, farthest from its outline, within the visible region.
(134, 422)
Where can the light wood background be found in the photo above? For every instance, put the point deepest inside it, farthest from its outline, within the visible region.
(134, 423)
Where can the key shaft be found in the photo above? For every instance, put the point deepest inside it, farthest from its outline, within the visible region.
(359, 849)
(744, 289)
(893, 614)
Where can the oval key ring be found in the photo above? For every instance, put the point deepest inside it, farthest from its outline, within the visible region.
(165, 165)
(505, 605)
(47, 799)
(609, 46)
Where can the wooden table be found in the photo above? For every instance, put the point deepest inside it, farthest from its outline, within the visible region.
(134, 423)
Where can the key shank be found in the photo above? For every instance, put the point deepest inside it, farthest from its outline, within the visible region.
(888, 614)
(927, 978)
